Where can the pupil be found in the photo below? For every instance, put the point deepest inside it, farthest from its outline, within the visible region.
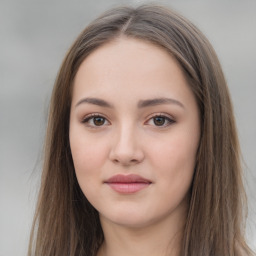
(159, 121)
(98, 121)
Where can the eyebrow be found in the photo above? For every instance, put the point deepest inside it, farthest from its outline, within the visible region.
(141, 103)
(158, 101)
(95, 101)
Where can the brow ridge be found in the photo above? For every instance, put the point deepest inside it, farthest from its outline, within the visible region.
(94, 101)
(158, 101)
(141, 103)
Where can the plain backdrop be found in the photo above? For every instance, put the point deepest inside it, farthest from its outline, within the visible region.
(34, 37)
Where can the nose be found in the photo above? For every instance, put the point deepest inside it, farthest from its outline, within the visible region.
(126, 149)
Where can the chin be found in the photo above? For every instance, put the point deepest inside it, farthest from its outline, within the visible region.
(132, 220)
(127, 219)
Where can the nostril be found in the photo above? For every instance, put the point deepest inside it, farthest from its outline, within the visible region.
(125, 162)
(126, 153)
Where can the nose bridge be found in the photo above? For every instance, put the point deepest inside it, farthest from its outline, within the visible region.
(126, 147)
(126, 137)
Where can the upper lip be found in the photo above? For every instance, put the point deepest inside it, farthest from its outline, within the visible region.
(130, 178)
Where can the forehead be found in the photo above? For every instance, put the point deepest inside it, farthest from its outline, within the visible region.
(130, 67)
(128, 53)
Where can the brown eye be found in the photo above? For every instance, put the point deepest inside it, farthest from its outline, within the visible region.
(98, 121)
(159, 120)
(95, 120)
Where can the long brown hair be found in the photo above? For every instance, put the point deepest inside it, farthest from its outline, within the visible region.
(67, 224)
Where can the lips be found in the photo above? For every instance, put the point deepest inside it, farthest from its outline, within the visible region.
(127, 184)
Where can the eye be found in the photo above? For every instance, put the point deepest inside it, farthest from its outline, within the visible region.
(160, 121)
(95, 120)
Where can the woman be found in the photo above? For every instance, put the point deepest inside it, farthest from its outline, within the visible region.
(141, 154)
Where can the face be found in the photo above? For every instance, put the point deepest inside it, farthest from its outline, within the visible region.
(134, 133)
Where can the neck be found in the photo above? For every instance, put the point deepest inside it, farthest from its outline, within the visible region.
(160, 239)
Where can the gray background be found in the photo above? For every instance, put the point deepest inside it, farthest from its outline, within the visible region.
(34, 36)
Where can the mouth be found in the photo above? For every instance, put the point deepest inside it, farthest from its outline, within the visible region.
(127, 184)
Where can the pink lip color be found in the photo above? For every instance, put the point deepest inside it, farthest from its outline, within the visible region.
(127, 184)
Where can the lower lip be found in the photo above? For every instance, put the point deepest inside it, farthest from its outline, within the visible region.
(128, 188)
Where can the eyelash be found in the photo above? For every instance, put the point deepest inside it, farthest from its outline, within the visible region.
(167, 120)
(92, 117)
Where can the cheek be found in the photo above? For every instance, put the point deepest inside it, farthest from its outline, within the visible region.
(88, 156)
(174, 161)
(177, 154)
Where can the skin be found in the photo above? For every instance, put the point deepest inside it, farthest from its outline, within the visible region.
(158, 142)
